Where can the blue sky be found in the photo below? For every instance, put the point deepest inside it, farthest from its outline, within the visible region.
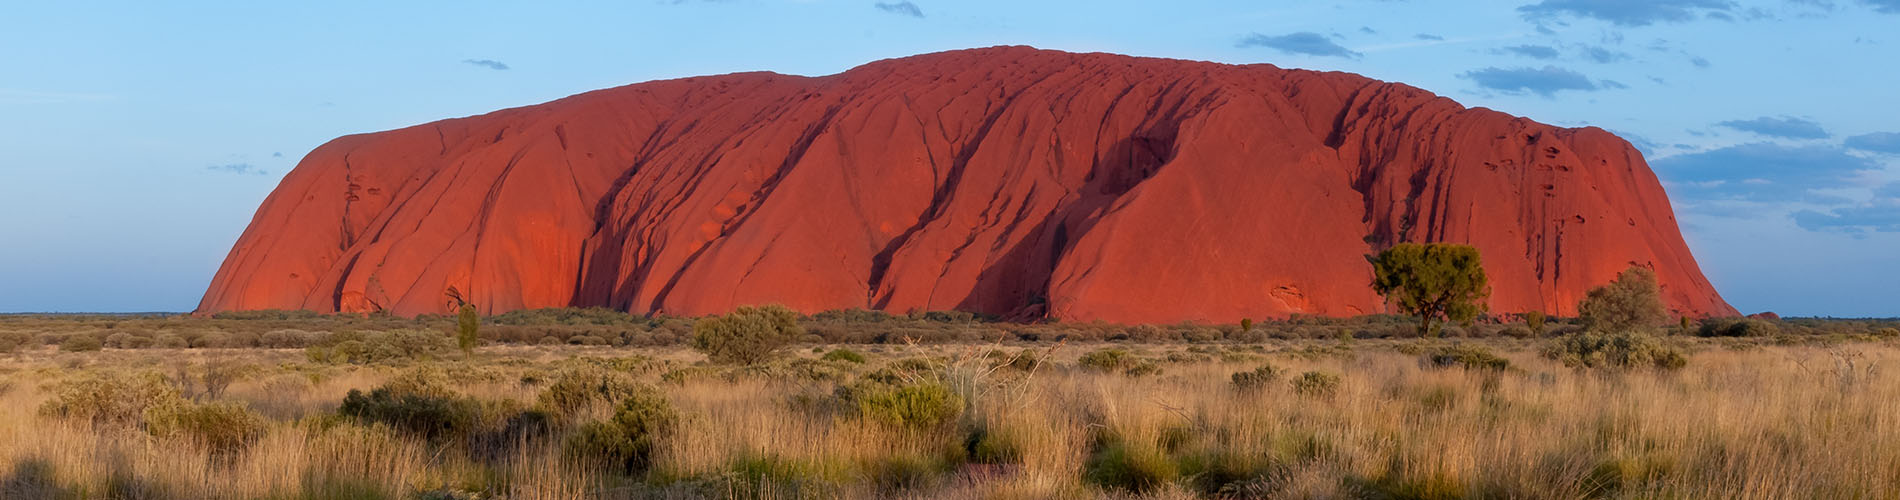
(136, 138)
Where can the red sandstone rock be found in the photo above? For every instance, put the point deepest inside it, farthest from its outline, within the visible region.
(1008, 180)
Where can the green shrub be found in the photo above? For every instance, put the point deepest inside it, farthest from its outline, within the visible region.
(1122, 465)
(771, 477)
(1221, 472)
(1614, 350)
(358, 347)
(468, 329)
(1142, 368)
(222, 427)
(845, 355)
(627, 441)
(1737, 327)
(815, 370)
(680, 376)
(1534, 322)
(419, 403)
(1106, 360)
(1256, 379)
(1471, 357)
(80, 342)
(748, 335)
(919, 405)
(289, 339)
(1631, 303)
(111, 400)
(1319, 385)
(577, 389)
(988, 444)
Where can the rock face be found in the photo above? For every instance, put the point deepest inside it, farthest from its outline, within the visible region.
(1011, 181)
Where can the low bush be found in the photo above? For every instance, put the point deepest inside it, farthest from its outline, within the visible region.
(1614, 351)
(1106, 360)
(170, 341)
(816, 370)
(289, 339)
(1223, 473)
(111, 400)
(1129, 466)
(921, 405)
(580, 388)
(763, 477)
(1737, 327)
(1319, 385)
(358, 347)
(1142, 368)
(845, 355)
(1534, 322)
(82, 342)
(626, 441)
(124, 340)
(1256, 379)
(994, 444)
(208, 380)
(419, 402)
(1469, 356)
(221, 427)
(13, 341)
(747, 335)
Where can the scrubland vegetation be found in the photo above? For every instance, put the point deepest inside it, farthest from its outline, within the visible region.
(764, 403)
(856, 404)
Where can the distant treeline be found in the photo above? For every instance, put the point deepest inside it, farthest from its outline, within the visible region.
(599, 326)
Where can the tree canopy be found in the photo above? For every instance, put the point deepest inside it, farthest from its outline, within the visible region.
(1432, 281)
(747, 335)
(1631, 303)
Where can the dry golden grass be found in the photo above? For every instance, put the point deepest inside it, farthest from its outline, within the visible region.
(1741, 421)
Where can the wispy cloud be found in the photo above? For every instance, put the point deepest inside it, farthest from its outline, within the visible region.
(1304, 43)
(1545, 81)
(903, 8)
(1786, 127)
(237, 168)
(487, 63)
(1879, 214)
(1531, 51)
(1763, 171)
(1878, 142)
(1602, 55)
(1883, 218)
(1423, 41)
(1628, 12)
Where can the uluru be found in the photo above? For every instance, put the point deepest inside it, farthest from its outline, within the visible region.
(1009, 181)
